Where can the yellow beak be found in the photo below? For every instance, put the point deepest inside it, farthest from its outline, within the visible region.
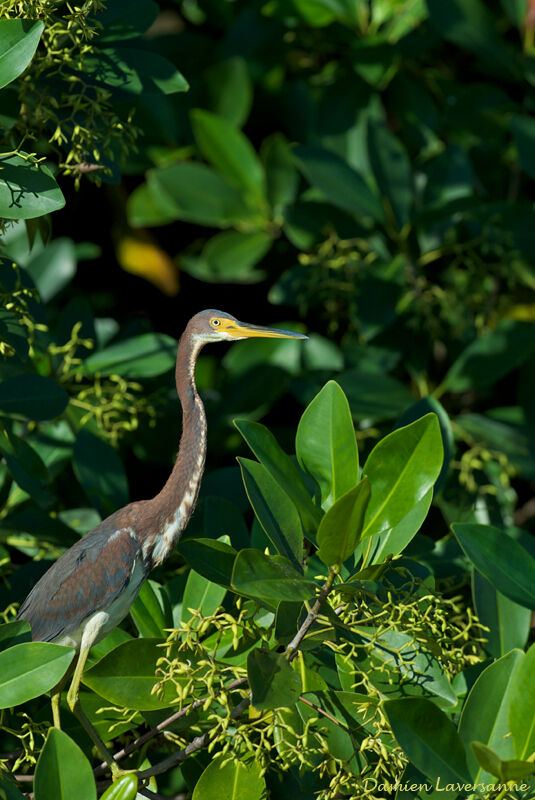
(244, 329)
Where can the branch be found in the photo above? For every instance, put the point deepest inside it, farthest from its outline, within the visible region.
(307, 702)
(141, 740)
(293, 647)
(196, 744)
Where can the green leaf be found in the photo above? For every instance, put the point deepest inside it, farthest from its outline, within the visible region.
(12, 633)
(143, 356)
(196, 193)
(399, 666)
(273, 682)
(326, 445)
(231, 781)
(340, 183)
(395, 540)
(230, 257)
(126, 19)
(134, 71)
(27, 190)
(429, 738)
(502, 560)
(272, 578)
(127, 675)
(509, 623)
(53, 268)
(484, 715)
(471, 26)
(201, 595)
(18, 42)
(26, 467)
(281, 467)
(496, 353)
(101, 473)
(63, 771)
(523, 129)
(32, 396)
(521, 712)
(401, 470)
(151, 610)
(392, 171)
(30, 669)
(229, 90)
(341, 527)
(505, 771)
(212, 559)
(274, 510)
(229, 151)
(123, 789)
(420, 409)
(281, 174)
(374, 395)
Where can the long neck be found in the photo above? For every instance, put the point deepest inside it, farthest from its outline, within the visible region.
(171, 509)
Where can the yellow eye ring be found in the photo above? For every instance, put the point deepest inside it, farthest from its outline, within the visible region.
(215, 323)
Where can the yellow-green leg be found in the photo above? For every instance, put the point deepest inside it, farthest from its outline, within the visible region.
(73, 701)
(55, 696)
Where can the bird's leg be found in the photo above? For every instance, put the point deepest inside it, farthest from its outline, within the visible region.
(55, 696)
(73, 700)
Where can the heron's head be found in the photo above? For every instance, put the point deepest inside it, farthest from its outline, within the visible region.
(217, 326)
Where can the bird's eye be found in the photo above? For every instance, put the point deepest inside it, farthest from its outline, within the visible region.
(215, 323)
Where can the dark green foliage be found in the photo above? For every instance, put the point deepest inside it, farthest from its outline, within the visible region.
(362, 171)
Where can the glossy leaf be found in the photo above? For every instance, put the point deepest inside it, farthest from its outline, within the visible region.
(340, 529)
(508, 622)
(326, 445)
(484, 716)
(274, 510)
(230, 257)
(27, 190)
(374, 395)
(196, 193)
(32, 396)
(401, 470)
(151, 610)
(134, 71)
(429, 739)
(281, 174)
(398, 666)
(392, 171)
(229, 151)
(505, 771)
(126, 676)
(521, 713)
(393, 541)
(272, 578)
(143, 356)
(496, 353)
(281, 467)
(18, 42)
(201, 595)
(273, 682)
(230, 781)
(229, 90)
(63, 771)
(338, 181)
(123, 789)
(502, 560)
(12, 633)
(30, 669)
(212, 559)
(53, 268)
(100, 472)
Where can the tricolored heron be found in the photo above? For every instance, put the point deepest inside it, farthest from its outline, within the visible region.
(90, 589)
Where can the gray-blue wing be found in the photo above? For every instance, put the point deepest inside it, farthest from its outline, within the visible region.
(87, 578)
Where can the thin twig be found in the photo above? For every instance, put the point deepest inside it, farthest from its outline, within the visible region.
(196, 744)
(141, 740)
(293, 648)
(307, 702)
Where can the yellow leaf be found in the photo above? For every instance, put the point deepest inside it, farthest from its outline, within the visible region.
(139, 254)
